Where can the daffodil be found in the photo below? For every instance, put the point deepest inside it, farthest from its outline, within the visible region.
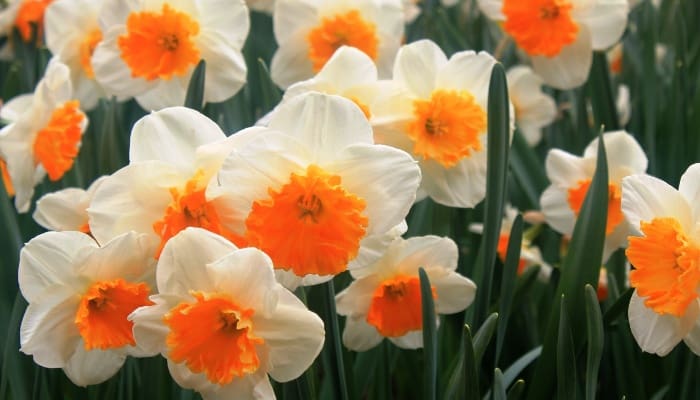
(79, 298)
(309, 32)
(385, 300)
(533, 108)
(150, 49)
(665, 254)
(174, 156)
(560, 35)
(572, 175)
(222, 320)
(313, 190)
(440, 118)
(22, 15)
(44, 134)
(72, 33)
(66, 209)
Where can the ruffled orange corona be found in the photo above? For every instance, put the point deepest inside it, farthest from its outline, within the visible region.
(396, 306)
(57, 144)
(190, 208)
(159, 45)
(31, 12)
(615, 216)
(214, 336)
(87, 47)
(446, 127)
(101, 316)
(666, 266)
(326, 224)
(348, 29)
(540, 27)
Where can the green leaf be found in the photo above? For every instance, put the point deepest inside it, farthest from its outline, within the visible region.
(618, 308)
(528, 170)
(520, 364)
(333, 346)
(499, 388)
(510, 275)
(596, 337)
(464, 381)
(483, 336)
(194, 98)
(498, 143)
(602, 97)
(566, 358)
(516, 391)
(429, 337)
(581, 266)
(112, 154)
(15, 369)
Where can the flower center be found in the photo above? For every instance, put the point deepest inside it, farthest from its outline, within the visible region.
(31, 12)
(666, 266)
(57, 144)
(540, 27)
(101, 316)
(348, 29)
(396, 306)
(87, 47)
(615, 216)
(213, 335)
(159, 45)
(190, 208)
(311, 225)
(446, 127)
(6, 180)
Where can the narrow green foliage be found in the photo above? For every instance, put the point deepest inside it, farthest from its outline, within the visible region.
(333, 345)
(271, 95)
(483, 336)
(15, 377)
(112, 154)
(510, 275)
(516, 391)
(618, 308)
(527, 170)
(498, 143)
(429, 337)
(499, 387)
(581, 266)
(596, 337)
(520, 364)
(194, 98)
(602, 98)
(566, 358)
(464, 381)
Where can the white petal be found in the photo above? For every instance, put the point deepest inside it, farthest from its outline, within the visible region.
(689, 187)
(468, 71)
(425, 251)
(454, 292)
(172, 135)
(16, 149)
(557, 212)
(606, 21)
(463, 185)
(226, 69)
(52, 258)
(132, 199)
(386, 178)
(15, 107)
(94, 366)
(293, 334)
(326, 124)
(248, 276)
(182, 264)
(165, 93)
(566, 170)
(411, 340)
(359, 335)
(656, 333)
(417, 65)
(149, 329)
(492, 9)
(128, 256)
(692, 339)
(290, 16)
(355, 300)
(372, 247)
(645, 197)
(569, 68)
(232, 24)
(63, 210)
(48, 331)
(622, 150)
(348, 67)
(291, 63)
